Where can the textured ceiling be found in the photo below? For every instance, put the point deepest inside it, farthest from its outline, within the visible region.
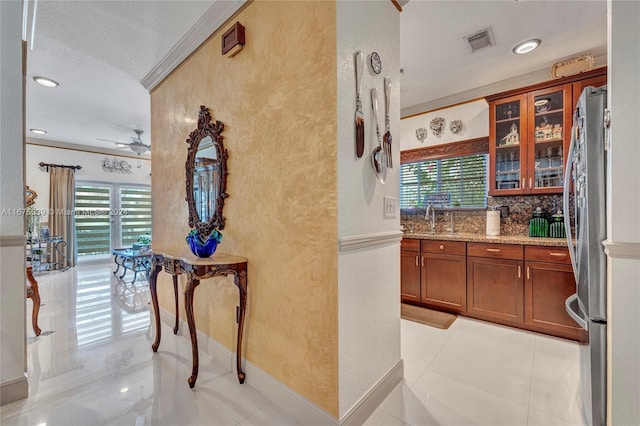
(99, 51)
(438, 64)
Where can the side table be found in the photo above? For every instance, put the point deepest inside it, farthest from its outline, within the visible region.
(198, 269)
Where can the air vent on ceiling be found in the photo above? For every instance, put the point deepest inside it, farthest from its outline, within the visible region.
(480, 40)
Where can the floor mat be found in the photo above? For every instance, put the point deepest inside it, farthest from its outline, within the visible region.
(427, 316)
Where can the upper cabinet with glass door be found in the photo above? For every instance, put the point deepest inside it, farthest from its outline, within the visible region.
(549, 135)
(528, 141)
(507, 138)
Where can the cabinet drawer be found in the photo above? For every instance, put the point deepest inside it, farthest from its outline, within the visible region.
(547, 254)
(410, 245)
(500, 251)
(444, 247)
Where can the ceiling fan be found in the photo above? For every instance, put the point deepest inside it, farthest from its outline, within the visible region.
(136, 145)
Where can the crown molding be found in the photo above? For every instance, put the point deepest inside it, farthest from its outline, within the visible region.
(210, 22)
(531, 78)
(87, 148)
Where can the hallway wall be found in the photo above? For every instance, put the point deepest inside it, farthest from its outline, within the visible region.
(13, 363)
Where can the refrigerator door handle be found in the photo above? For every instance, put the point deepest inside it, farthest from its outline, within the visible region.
(565, 201)
(573, 300)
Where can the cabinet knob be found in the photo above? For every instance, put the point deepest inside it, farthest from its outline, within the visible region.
(441, 246)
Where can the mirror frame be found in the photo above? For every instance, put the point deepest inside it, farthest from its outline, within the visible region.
(30, 196)
(213, 130)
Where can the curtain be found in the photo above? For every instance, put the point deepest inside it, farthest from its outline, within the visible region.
(61, 212)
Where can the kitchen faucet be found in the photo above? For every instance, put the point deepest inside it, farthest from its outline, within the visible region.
(431, 209)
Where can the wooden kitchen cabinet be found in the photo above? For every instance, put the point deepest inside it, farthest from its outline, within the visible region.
(510, 284)
(410, 271)
(495, 283)
(443, 275)
(549, 280)
(529, 135)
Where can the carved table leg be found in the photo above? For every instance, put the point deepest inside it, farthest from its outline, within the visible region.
(35, 297)
(240, 281)
(115, 259)
(192, 283)
(175, 296)
(153, 279)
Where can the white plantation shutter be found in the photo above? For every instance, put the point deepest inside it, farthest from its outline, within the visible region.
(463, 178)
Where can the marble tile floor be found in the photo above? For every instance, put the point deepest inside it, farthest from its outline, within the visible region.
(93, 365)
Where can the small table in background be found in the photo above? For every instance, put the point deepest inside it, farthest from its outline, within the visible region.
(132, 260)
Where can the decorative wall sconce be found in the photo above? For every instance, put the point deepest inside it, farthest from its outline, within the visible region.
(233, 40)
(116, 166)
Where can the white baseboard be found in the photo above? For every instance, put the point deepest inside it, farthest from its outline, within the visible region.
(14, 390)
(296, 405)
(363, 409)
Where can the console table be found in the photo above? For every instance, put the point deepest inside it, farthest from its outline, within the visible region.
(198, 269)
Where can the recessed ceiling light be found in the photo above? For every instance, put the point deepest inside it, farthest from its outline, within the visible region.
(526, 46)
(44, 81)
(38, 131)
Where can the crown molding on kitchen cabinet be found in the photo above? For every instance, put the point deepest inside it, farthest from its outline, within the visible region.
(208, 23)
(513, 83)
(355, 242)
(621, 250)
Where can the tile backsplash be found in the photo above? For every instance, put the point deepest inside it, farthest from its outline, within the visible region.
(474, 221)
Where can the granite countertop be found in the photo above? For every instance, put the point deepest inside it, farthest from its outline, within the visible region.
(481, 238)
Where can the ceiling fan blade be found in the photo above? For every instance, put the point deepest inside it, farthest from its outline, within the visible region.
(109, 140)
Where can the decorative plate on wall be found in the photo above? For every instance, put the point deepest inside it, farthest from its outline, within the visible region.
(437, 126)
(421, 134)
(455, 126)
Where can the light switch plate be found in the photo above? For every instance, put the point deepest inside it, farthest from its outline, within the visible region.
(390, 207)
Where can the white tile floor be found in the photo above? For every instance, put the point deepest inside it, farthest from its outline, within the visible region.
(93, 365)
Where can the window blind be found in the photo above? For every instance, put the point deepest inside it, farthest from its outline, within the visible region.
(135, 206)
(93, 231)
(464, 178)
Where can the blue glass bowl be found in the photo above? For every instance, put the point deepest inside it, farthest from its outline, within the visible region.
(200, 248)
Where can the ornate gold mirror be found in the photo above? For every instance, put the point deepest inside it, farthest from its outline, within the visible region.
(206, 169)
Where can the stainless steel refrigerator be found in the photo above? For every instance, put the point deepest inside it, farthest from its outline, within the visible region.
(585, 171)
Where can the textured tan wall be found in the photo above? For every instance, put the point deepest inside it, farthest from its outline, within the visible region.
(277, 99)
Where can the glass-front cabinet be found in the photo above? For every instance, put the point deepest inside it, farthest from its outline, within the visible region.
(507, 140)
(528, 140)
